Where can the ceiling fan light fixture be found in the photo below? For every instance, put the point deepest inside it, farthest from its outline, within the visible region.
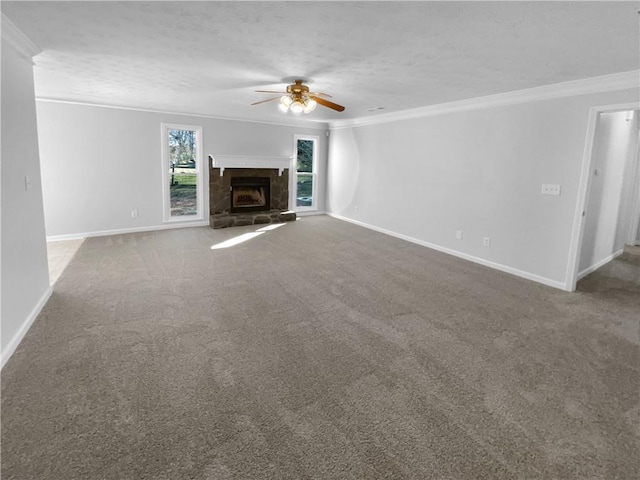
(286, 100)
(311, 105)
(297, 98)
(297, 106)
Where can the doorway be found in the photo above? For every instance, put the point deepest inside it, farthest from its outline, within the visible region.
(609, 211)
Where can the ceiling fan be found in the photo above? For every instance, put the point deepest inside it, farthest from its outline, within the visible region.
(299, 99)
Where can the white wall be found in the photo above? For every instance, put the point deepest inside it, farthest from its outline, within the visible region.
(610, 200)
(25, 274)
(100, 163)
(479, 171)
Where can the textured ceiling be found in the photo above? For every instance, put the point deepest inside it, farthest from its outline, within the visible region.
(208, 57)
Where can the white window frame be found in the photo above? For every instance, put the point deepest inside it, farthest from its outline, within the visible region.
(293, 182)
(200, 174)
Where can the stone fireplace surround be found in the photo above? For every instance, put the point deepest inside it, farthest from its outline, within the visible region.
(220, 175)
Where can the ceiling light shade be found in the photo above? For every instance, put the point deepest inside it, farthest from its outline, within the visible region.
(283, 107)
(286, 100)
(311, 106)
(297, 106)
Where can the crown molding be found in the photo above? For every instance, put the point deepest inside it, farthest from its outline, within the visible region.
(300, 124)
(604, 83)
(18, 40)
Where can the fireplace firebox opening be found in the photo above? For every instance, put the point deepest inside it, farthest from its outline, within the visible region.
(250, 194)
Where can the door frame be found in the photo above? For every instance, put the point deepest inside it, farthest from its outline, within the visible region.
(584, 187)
(634, 222)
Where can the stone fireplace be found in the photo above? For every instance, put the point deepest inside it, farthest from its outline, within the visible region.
(248, 192)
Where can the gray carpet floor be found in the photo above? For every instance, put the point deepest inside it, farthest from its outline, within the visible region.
(320, 350)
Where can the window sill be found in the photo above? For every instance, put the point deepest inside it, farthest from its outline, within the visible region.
(184, 219)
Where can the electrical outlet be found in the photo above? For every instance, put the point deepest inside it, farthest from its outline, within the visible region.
(134, 213)
(27, 182)
(459, 235)
(486, 241)
(356, 208)
(549, 189)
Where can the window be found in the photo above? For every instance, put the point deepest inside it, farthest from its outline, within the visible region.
(182, 172)
(304, 177)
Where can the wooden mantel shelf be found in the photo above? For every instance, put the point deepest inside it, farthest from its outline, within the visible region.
(249, 161)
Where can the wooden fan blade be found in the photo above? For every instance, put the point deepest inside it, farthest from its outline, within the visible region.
(327, 103)
(267, 100)
(268, 91)
(312, 94)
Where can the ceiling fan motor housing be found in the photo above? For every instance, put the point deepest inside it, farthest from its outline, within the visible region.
(297, 88)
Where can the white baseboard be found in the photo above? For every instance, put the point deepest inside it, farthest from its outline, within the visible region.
(308, 214)
(63, 238)
(599, 264)
(101, 233)
(19, 335)
(487, 263)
